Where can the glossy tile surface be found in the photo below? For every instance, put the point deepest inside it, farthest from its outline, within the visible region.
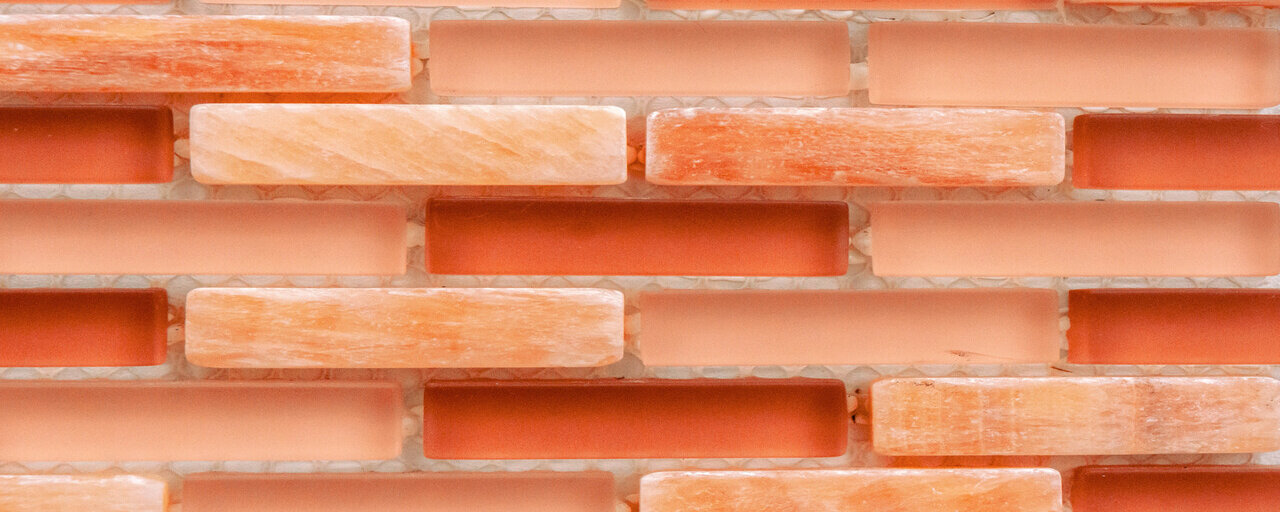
(854, 490)
(89, 144)
(403, 327)
(100, 327)
(200, 237)
(638, 58)
(806, 327)
(1074, 415)
(527, 491)
(1054, 65)
(1174, 326)
(126, 53)
(548, 236)
(1175, 488)
(408, 144)
(1176, 152)
(855, 147)
(647, 418)
(83, 493)
(1077, 238)
(199, 420)
(841, 5)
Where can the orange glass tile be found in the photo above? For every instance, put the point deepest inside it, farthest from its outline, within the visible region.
(1074, 415)
(1208, 3)
(107, 145)
(944, 5)
(199, 420)
(1176, 152)
(855, 147)
(83, 493)
(403, 327)
(621, 419)
(1081, 238)
(64, 327)
(200, 237)
(803, 327)
(452, 491)
(125, 53)
(1053, 65)
(1175, 489)
(854, 490)
(1174, 326)
(639, 58)
(636, 237)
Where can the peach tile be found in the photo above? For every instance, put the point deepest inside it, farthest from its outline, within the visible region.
(86, 144)
(125, 53)
(450, 491)
(854, 490)
(83, 493)
(1176, 152)
(408, 144)
(1052, 65)
(1074, 415)
(1175, 489)
(1174, 326)
(803, 327)
(200, 237)
(473, 4)
(403, 327)
(546, 236)
(199, 420)
(639, 58)
(65, 327)
(626, 419)
(1080, 238)
(856, 4)
(855, 147)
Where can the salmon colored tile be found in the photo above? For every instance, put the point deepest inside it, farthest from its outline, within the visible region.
(199, 420)
(636, 237)
(63, 327)
(1174, 326)
(83, 493)
(827, 327)
(1053, 65)
(200, 237)
(855, 147)
(1081, 238)
(854, 490)
(1175, 489)
(1176, 152)
(639, 58)
(629, 419)
(302, 144)
(475, 4)
(86, 144)
(451, 491)
(403, 327)
(1074, 415)
(1265, 3)
(124, 53)
(855, 4)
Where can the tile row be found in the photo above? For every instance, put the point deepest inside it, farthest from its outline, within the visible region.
(312, 144)
(637, 418)
(943, 5)
(921, 64)
(559, 236)
(1094, 489)
(567, 327)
